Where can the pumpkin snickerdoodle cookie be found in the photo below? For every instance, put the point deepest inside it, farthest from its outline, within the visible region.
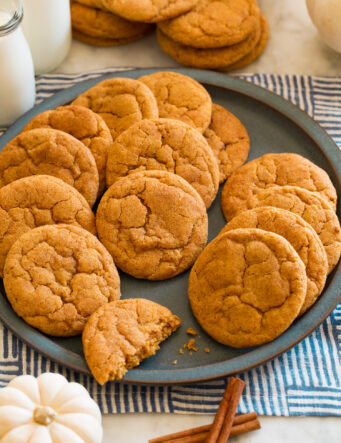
(51, 152)
(228, 140)
(211, 58)
(270, 170)
(150, 11)
(299, 234)
(103, 42)
(153, 223)
(105, 25)
(121, 102)
(165, 144)
(39, 200)
(83, 124)
(180, 97)
(214, 23)
(56, 276)
(119, 335)
(312, 208)
(247, 287)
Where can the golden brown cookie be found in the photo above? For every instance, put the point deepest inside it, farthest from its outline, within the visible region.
(153, 223)
(39, 200)
(207, 58)
(121, 102)
(104, 25)
(214, 23)
(49, 151)
(256, 51)
(83, 124)
(299, 234)
(168, 145)
(270, 170)
(119, 335)
(312, 208)
(180, 97)
(150, 11)
(56, 276)
(228, 139)
(104, 42)
(247, 287)
(92, 3)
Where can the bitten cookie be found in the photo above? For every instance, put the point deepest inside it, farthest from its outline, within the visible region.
(247, 287)
(214, 23)
(312, 208)
(119, 335)
(51, 152)
(180, 97)
(169, 145)
(299, 234)
(83, 124)
(228, 140)
(39, 200)
(56, 276)
(212, 58)
(121, 102)
(270, 170)
(150, 11)
(153, 223)
(105, 25)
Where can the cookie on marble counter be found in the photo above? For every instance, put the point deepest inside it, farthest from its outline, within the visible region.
(168, 145)
(247, 287)
(228, 140)
(121, 102)
(120, 334)
(56, 276)
(153, 223)
(180, 97)
(51, 152)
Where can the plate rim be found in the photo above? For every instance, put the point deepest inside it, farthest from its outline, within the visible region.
(279, 104)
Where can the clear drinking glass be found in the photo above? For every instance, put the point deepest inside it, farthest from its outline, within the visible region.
(17, 87)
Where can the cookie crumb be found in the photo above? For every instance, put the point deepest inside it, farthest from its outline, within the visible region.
(190, 353)
(191, 345)
(207, 350)
(191, 331)
(181, 351)
(175, 362)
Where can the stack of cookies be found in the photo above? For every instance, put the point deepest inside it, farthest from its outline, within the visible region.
(211, 34)
(269, 264)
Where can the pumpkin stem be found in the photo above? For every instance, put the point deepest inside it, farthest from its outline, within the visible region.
(44, 415)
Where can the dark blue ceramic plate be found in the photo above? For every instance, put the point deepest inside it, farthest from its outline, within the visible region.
(274, 125)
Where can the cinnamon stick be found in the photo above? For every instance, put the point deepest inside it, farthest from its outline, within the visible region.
(199, 434)
(226, 411)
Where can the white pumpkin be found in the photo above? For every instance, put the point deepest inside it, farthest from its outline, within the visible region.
(48, 409)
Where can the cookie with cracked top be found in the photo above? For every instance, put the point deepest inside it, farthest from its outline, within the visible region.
(120, 334)
(153, 223)
(299, 234)
(228, 140)
(214, 23)
(312, 208)
(180, 97)
(150, 11)
(169, 145)
(39, 200)
(121, 102)
(83, 124)
(56, 276)
(271, 170)
(52, 152)
(247, 287)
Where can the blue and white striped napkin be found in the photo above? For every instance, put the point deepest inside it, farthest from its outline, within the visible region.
(306, 380)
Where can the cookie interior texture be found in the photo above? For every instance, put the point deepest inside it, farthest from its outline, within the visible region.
(119, 335)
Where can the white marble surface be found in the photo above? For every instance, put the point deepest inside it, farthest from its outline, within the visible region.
(294, 47)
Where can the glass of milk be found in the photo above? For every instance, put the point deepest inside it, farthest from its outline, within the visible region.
(47, 28)
(17, 87)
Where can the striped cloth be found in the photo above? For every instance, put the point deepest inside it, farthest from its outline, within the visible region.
(306, 380)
